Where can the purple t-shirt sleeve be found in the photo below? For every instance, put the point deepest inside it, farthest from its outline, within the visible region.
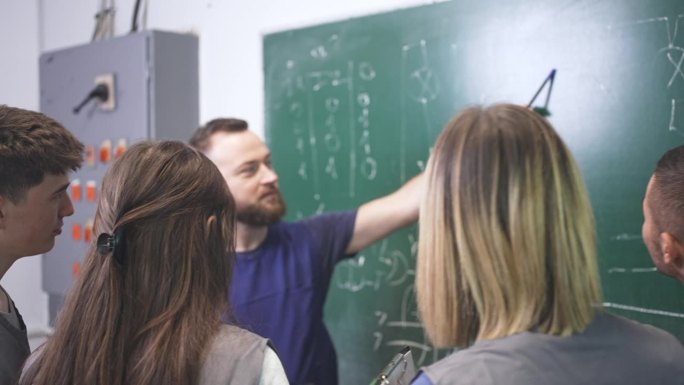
(422, 379)
(333, 231)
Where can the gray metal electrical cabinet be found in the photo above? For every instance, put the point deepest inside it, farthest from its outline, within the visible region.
(154, 94)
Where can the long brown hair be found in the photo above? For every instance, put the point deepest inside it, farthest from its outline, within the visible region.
(144, 313)
(506, 239)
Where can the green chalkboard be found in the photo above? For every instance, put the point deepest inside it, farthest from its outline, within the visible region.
(352, 108)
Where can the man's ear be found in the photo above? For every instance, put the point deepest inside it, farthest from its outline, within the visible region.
(673, 255)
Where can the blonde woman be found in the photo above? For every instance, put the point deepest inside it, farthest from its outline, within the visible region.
(507, 265)
(146, 308)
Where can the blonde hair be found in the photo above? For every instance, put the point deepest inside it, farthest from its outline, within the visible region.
(506, 235)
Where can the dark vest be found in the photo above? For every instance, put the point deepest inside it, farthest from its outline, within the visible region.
(14, 348)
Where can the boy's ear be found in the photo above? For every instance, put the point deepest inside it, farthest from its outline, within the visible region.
(673, 255)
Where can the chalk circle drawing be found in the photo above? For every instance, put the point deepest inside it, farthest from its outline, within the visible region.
(369, 168)
(332, 104)
(366, 71)
(332, 141)
(399, 268)
(331, 168)
(363, 99)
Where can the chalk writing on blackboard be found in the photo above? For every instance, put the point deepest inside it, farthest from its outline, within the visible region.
(369, 166)
(675, 56)
(419, 85)
(626, 237)
(408, 321)
(332, 137)
(644, 310)
(677, 104)
(423, 85)
(322, 51)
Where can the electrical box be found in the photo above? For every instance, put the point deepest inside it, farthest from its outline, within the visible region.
(111, 94)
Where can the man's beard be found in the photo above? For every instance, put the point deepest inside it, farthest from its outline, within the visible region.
(262, 214)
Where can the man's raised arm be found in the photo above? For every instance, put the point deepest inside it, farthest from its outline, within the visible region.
(381, 216)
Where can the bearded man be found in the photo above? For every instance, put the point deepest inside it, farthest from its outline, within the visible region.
(283, 270)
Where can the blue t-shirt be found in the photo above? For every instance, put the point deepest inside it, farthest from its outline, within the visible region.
(279, 290)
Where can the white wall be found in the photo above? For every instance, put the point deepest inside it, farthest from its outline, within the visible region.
(19, 47)
(231, 75)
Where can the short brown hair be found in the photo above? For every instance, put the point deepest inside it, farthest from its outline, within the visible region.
(506, 232)
(200, 139)
(32, 145)
(667, 193)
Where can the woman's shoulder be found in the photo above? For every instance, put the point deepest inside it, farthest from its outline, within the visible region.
(228, 337)
(234, 356)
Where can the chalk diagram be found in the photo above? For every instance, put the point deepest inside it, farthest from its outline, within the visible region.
(322, 51)
(352, 109)
(675, 56)
(407, 321)
(331, 137)
(395, 274)
(420, 84)
(396, 268)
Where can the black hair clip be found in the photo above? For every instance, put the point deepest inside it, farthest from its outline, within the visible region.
(105, 244)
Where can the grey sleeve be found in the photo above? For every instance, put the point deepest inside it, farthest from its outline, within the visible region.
(272, 371)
